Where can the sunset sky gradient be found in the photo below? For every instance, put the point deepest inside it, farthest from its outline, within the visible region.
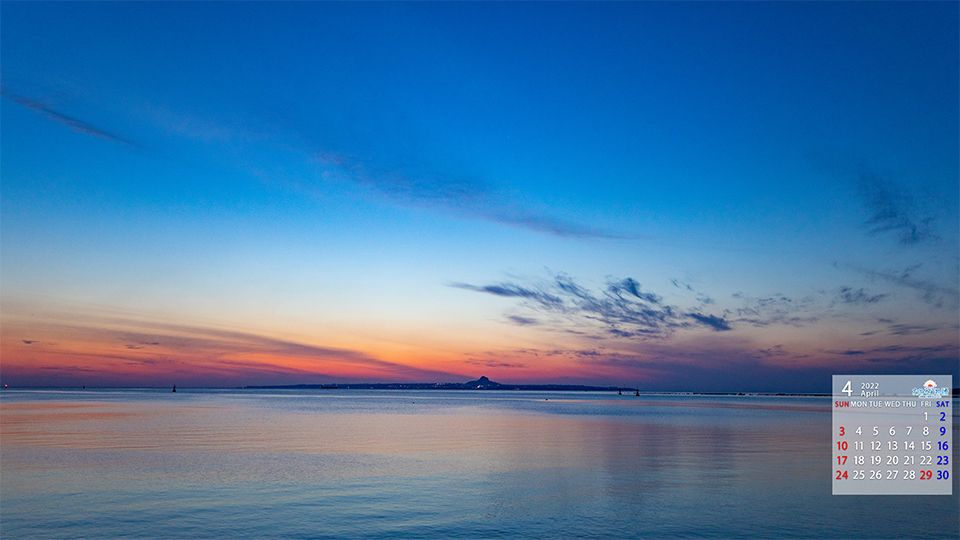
(675, 196)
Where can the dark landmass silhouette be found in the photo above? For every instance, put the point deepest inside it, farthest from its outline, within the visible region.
(483, 383)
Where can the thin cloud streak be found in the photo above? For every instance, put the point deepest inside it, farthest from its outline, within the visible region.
(73, 123)
(458, 197)
(931, 293)
(522, 321)
(223, 342)
(131, 350)
(465, 197)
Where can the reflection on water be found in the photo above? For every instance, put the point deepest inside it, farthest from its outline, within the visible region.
(432, 464)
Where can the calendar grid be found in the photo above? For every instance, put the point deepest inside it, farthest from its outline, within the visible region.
(892, 435)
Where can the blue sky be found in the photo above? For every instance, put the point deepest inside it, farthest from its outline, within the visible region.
(710, 196)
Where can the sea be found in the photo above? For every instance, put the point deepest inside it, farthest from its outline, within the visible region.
(348, 463)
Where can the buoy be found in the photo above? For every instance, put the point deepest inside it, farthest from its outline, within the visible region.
(174, 388)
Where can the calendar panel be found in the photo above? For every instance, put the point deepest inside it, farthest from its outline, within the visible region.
(892, 435)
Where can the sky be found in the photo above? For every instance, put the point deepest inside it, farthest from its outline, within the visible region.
(671, 196)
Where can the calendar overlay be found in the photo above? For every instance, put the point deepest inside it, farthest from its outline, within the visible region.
(892, 435)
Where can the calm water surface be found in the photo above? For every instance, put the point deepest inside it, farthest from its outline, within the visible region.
(433, 464)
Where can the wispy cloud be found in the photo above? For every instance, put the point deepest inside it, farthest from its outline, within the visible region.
(847, 295)
(398, 180)
(460, 196)
(702, 298)
(501, 213)
(914, 357)
(776, 309)
(949, 348)
(511, 290)
(73, 123)
(901, 329)
(912, 329)
(622, 309)
(930, 292)
(945, 356)
(778, 351)
(892, 209)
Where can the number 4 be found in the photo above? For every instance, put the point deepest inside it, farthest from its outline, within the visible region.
(847, 389)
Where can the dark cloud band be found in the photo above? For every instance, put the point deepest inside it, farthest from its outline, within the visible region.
(622, 309)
